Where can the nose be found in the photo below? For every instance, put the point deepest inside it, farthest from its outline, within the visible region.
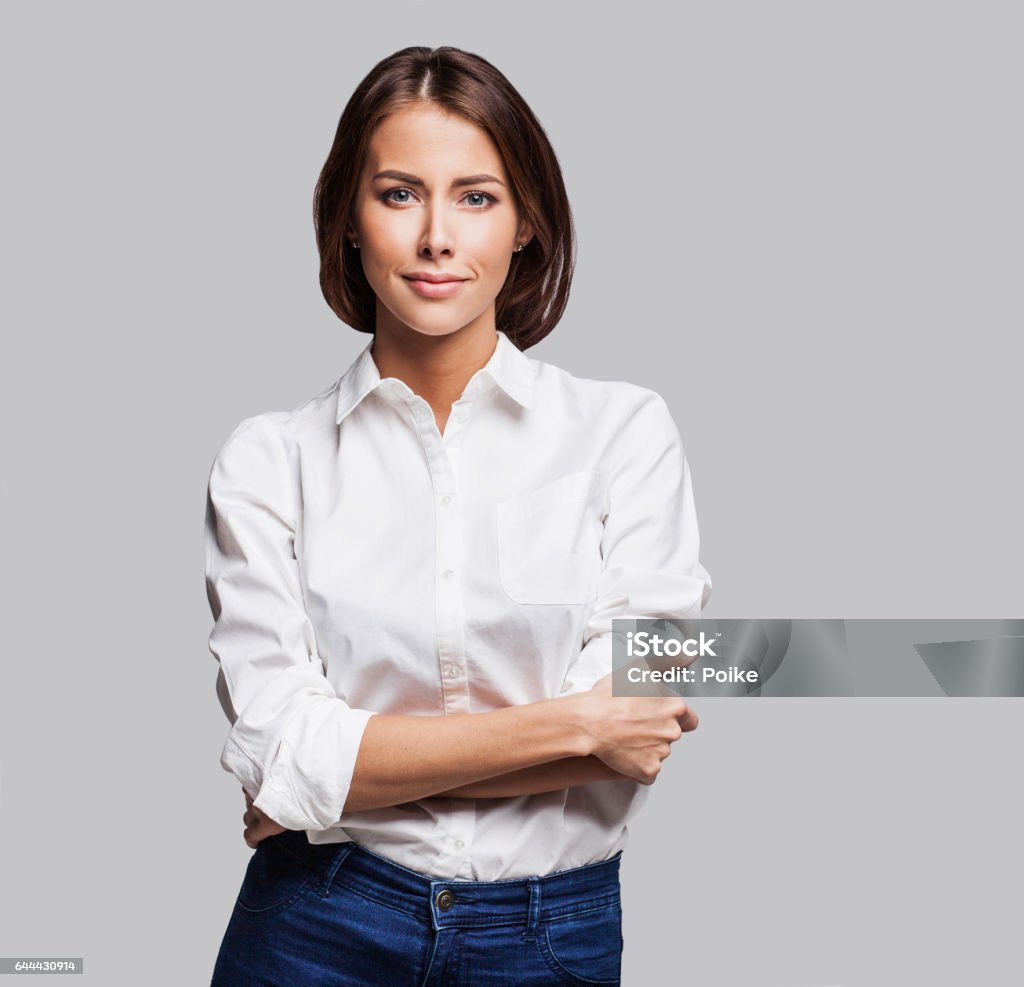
(438, 238)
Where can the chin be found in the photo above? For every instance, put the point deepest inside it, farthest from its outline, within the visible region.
(435, 330)
(437, 326)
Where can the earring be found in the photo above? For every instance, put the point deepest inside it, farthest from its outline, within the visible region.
(519, 249)
(355, 246)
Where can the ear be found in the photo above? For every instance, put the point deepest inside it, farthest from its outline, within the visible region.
(524, 233)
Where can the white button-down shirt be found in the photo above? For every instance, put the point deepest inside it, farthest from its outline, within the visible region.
(358, 561)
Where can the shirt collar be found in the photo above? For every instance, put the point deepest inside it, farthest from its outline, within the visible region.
(511, 369)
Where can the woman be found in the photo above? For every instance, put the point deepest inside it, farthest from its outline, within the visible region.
(413, 577)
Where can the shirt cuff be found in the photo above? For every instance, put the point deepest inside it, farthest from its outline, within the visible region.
(307, 781)
(594, 662)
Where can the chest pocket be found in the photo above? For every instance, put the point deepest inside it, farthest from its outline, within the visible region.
(549, 542)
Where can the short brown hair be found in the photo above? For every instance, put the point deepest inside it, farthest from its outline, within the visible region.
(536, 290)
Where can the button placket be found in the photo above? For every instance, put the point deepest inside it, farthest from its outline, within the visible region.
(442, 462)
(448, 539)
(457, 419)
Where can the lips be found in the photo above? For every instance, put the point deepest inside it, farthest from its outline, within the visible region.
(432, 277)
(429, 285)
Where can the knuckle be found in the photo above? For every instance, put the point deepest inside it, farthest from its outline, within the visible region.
(651, 769)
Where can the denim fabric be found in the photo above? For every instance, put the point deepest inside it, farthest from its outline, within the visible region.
(339, 915)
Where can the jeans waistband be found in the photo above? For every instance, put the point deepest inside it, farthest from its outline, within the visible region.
(457, 903)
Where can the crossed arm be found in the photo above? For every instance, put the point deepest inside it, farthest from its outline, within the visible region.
(552, 776)
(520, 750)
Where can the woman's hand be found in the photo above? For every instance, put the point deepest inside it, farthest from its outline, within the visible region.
(633, 735)
(257, 825)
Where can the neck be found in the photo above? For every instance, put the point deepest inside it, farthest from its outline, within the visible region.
(437, 368)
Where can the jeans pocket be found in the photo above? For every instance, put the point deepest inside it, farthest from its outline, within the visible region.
(584, 947)
(274, 880)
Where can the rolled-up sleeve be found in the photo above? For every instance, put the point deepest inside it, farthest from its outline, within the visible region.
(293, 740)
(650, 545)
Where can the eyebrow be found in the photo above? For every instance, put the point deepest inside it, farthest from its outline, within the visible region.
(401, 176)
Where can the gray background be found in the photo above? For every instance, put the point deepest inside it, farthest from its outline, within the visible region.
(801, 222)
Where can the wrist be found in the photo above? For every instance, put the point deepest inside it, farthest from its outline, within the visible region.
(581, 741)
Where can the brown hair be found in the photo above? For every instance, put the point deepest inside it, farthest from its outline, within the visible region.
(536, 290)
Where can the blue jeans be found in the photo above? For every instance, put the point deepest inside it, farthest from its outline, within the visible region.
(337, 914)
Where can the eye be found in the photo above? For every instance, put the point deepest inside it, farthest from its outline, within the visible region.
(396, 191)
(485, 196)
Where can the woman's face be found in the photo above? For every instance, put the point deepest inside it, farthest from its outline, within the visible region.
(434, 199)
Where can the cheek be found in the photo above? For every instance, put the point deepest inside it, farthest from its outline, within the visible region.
(499, 268)
(381, 256)
(490, 253)
(499, 240)
(384, 246)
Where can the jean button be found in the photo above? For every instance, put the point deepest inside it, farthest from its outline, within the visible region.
(445, 900)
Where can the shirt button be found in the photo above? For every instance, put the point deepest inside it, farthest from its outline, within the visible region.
(459, 844)
(460, 416)
(445, 900)
(452, 671)
(447, 574)
(446, 500)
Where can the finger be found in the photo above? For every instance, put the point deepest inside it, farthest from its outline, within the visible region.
(688, 721)
(251, 835)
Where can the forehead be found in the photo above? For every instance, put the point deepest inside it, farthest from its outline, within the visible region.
(425, 140)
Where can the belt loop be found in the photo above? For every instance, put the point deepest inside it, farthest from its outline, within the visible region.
(324, 887)
(533, 918)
